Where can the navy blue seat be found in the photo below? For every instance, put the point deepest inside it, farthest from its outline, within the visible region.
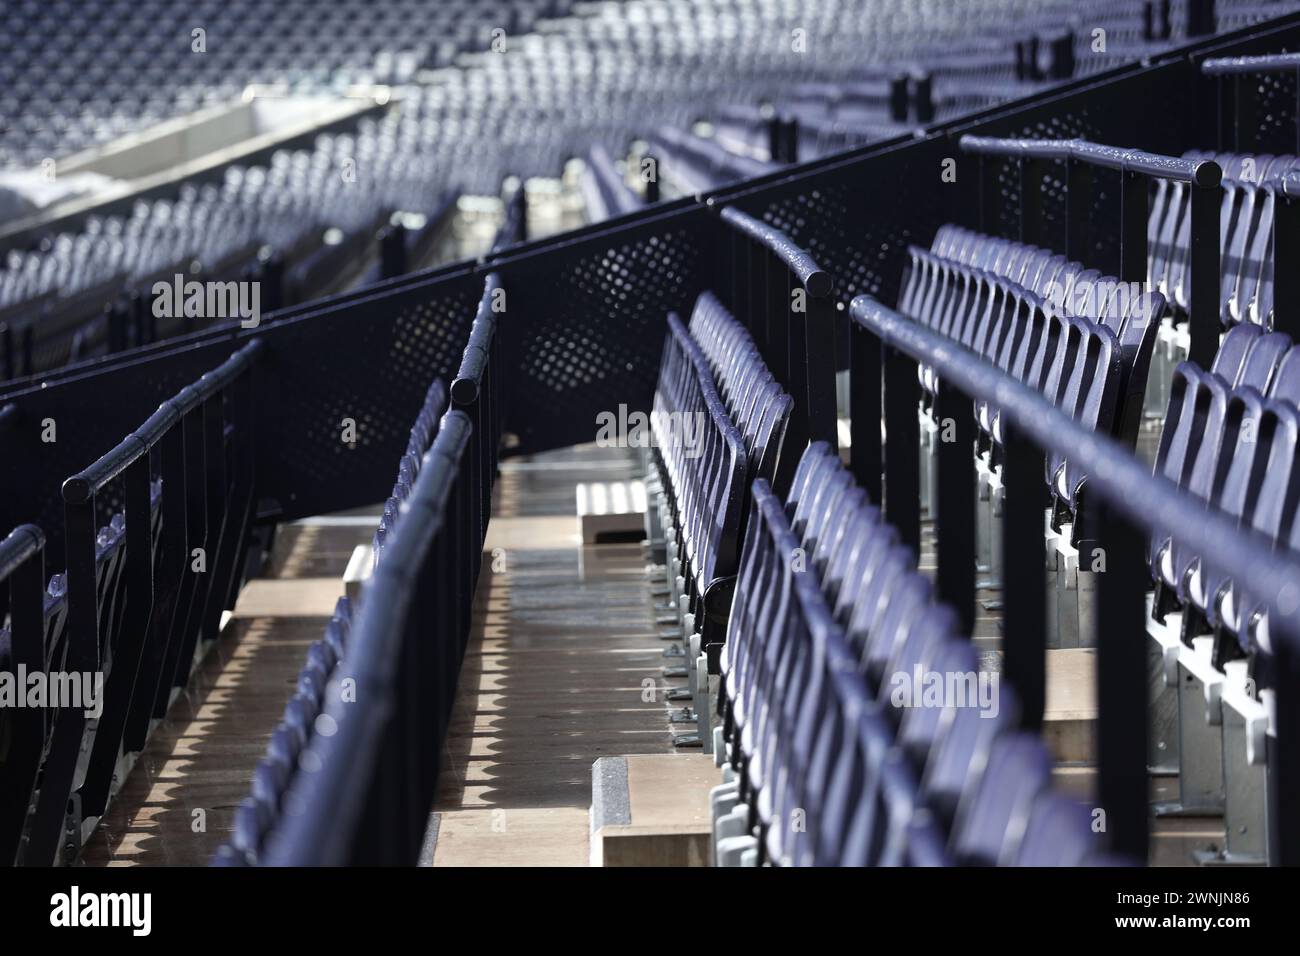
(837, 761)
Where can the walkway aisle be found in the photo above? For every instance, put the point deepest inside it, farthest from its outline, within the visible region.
(178, 803)
(561, 650)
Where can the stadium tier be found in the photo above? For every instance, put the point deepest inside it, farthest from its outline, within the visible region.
(732, 433)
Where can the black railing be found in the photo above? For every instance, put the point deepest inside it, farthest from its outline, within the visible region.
(476, 391)
(1130, 505)
(1286, 251)
(1136, 168)
(141, 597)
(1239, 95)
(779, 292)
(22, 599)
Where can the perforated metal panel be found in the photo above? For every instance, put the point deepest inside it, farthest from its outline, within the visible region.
(1274, 114)
(369, 360)
(584, 329)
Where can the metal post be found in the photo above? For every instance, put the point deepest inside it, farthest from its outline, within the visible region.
(818, 346)
(902, 459)
(172, 557)
(775, 139)
(26, 591)
(392, 251)
(923, 98)
(1024, 554)
(1204, 304)
(1121, 682)
(955, 522)
(138, 594)
(1286, 248)
(1284, 755)
(1133, 227)
(898, 98)
(865, 410)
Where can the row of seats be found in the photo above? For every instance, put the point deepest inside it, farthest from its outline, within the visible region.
(1072, 334)
(422, 432)
(1082, 339)
(317, 210)
(1250, 184)
(304, 717)
(62, 94)
(1230, 438)
(713, 385)
(832, 761)
(362, 790)
(258, 815)
(443, 491)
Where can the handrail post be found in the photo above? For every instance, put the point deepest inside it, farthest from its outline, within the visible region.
(26, 592)
(955, 522)
(392, 251)
(1284, 757)
(138, 594)
(865, 410)
(1203, 305)
(1244, 117)
(781, 358)
(902, 501)
(1286, 281)
(818, 347)
(775, 138)
(1122, 682)
(792, 140)
(172, 558)
(923, 98)
(45, 842)
(898, 98)
(1133, 228)
(1024, 552)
